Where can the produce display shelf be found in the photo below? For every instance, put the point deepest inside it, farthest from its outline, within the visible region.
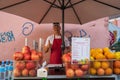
(64, 76)
(118, 77)
(111, 76)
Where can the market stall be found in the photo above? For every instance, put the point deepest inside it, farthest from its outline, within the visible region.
(28, 58)
(96, 64)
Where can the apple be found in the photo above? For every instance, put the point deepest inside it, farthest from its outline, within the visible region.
(30, 65)
(16, 72)
(32, 73)
(33, 51)
(17, 56)
(35, 57)
(26, 49)
(20, 65)
(27, 56)
(69, 53)
(79, 73)
(40, 54)
(25, 72)
(66, 58)
(67, 65)
(85, 67)
(41, 57)
(70, 73)
(74, 66)
(85, 72)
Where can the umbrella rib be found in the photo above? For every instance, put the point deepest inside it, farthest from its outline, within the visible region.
(14, 4)
(67, 3)
(60, 2)
(75, 13)
(52, 3)
(75, 3)
(107, 4)
(47, 12)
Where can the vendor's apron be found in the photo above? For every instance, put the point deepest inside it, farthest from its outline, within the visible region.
(56, 52)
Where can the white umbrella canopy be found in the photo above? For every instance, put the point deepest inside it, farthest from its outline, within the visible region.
(87, 10)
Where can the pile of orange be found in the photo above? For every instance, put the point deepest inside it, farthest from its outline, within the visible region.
(101, 68)
(104, 62)
(100, 54)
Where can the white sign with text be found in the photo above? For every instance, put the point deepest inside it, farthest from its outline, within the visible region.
(80, 50)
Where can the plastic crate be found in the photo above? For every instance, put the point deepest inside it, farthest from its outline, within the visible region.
(26, 68)
(116, 67)
(76, 70)
(101, 67)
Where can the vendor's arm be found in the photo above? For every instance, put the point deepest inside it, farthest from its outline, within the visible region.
(67, 46)
(47, 45)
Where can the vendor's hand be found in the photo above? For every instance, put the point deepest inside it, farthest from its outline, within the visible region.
(67, 49)
(46, 48)
(49, 45)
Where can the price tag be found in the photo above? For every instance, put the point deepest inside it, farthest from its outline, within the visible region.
(80, 50)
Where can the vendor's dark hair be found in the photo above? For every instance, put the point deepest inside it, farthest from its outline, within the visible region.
(56, 24)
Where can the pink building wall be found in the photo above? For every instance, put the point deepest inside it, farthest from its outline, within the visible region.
(96, 30)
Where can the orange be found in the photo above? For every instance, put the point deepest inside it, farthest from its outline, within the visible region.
(100, 71)
(116, 64)
(111, 56)
(99, 56)
(106, 49)
(116, 70)
(105, 64)
(96, 64)
(93, 52)
(93, 71)
(106, 53)
(108, 71)
(99, 50)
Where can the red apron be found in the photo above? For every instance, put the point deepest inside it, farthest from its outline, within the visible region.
(56, 52)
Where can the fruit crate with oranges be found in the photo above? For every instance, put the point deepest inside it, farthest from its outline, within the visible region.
(116, 67)
(76, 70)
(101, 67)
(111, 65)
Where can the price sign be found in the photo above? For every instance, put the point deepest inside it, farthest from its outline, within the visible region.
(80, 50)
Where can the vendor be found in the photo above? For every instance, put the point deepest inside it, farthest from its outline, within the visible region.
(54, 43)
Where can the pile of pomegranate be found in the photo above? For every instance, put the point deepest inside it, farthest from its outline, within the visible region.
(26, 62)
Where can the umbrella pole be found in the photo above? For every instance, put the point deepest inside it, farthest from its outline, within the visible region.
(63, 43)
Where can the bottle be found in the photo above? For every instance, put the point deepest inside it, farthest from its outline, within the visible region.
(6, 68)
(2, 71)
(10, 70)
